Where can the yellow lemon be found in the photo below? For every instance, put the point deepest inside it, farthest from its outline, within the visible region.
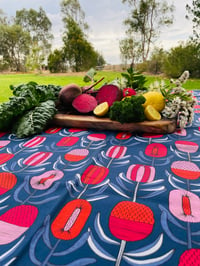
(155, 99)
(101, 109)
(151, 113)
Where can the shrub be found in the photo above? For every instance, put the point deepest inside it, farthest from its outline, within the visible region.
(181, 58)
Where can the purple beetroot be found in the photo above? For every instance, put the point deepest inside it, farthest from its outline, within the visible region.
(68, 93)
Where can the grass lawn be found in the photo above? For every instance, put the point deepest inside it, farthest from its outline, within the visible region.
(63, 79)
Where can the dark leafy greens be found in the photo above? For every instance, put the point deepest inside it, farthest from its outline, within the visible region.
(26, 97)
(129, 110)
(34, 121)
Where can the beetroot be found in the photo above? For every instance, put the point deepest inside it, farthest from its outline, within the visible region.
(108, 93)
(84, 103)
(68, 93)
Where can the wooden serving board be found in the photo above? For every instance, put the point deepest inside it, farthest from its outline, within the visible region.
(82, 121)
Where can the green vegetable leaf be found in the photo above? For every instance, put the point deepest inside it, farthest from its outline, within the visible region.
(35, 120)
(26, 97)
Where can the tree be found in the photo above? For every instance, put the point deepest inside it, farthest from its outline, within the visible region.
(39, 27)
(71, 9)
(186, 56)
(156, 61)
(78, 52)
(3, 18)
(146, 19)
(100, 60)
(14, 45)
(194, 11)
(129, 50)
(56, 61)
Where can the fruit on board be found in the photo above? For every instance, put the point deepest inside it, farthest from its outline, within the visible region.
(151, 113)
(154, 98)
(101, 109)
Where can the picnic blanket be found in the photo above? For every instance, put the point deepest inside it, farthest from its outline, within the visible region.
(74, 196)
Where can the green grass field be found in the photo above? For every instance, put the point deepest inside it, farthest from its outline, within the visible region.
(15, 79)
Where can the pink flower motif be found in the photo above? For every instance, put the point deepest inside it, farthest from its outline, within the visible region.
(186, 146)
(96, 137)
(76, 155)
(37, 158)
(4, 143)
(123, 135)
(116, 152)
(16, 221)
(53, 130)
(156, 150)
(71, 219)
(94, 174)
(141, 173)
(184, 205)
(45, 180)
(67, 141)
(4, 157)
(186, 169)
(151, 135)
(34, 142)
(131, 221)
(75, 130)
(191, 255)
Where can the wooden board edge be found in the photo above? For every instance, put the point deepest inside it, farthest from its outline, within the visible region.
(92, 122)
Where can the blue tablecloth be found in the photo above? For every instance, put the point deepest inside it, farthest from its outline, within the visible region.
(79, 197)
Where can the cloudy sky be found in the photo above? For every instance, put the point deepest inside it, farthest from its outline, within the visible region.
(105, 18)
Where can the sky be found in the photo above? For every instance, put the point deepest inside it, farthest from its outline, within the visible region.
(105, 18)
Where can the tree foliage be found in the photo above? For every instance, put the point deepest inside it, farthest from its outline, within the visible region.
(145, 20)
(78, 52)
(129, 50)
(71, 10)
(156, 61)
(194, 11)
(56, 61)
(37, 24)
(186, 56)
(39, 27)
(25, 39)
(14, 46)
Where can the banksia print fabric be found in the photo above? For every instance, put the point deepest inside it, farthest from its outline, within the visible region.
(74, 196)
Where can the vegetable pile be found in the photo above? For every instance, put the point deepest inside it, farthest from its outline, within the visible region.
(126, 100)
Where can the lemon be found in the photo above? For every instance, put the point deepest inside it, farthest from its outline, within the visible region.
(155, 99)
(151, 113)
(101, 109)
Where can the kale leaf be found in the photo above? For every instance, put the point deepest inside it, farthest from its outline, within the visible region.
(35, 120)
(26, 97)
